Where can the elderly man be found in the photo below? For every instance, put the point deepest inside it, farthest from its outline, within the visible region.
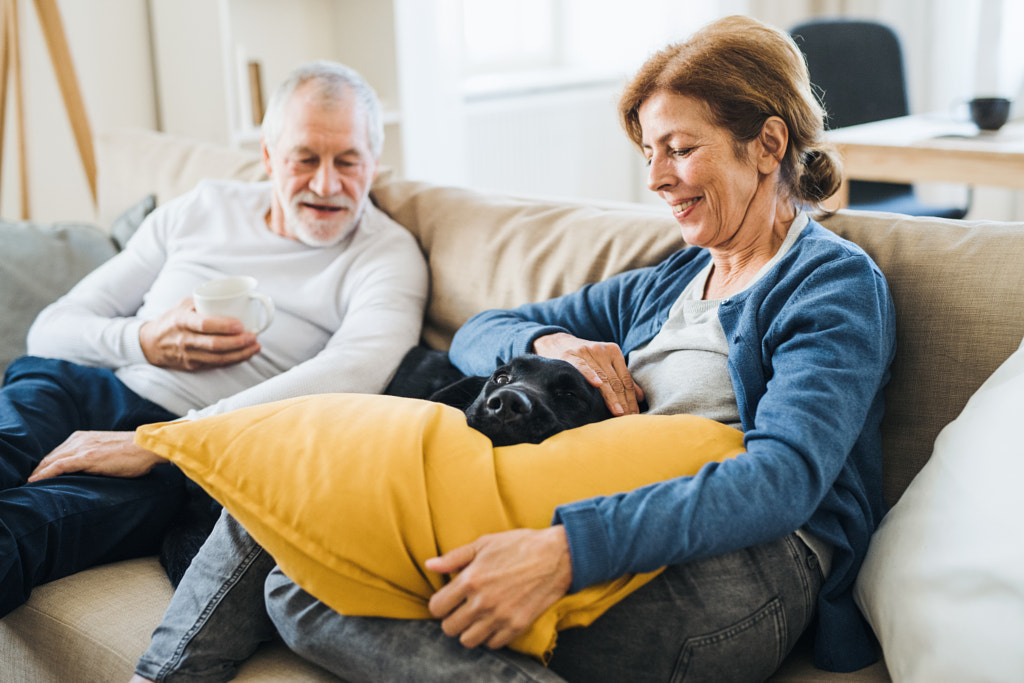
(126, 346)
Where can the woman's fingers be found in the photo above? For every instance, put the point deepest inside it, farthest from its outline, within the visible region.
(601, 363)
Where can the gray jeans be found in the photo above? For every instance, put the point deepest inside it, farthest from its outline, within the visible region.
(217, 616)
(732, 617)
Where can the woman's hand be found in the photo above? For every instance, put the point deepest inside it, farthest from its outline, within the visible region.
(110, 453)
(181, 339)
(601, 363)
(504, 582)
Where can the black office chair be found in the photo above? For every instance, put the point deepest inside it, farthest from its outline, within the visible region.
(857, 70)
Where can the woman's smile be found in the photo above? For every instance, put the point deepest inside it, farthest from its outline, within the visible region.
(683, 208)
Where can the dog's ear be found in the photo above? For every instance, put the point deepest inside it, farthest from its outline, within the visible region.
(422, 372)
(460, 394)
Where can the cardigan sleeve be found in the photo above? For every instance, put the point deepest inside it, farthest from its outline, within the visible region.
(809, 359)
(599, 312)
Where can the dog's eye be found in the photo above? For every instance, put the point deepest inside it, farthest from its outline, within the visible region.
(565, 395)
(502, 378)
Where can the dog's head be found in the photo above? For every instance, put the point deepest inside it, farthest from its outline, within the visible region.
(527, 400)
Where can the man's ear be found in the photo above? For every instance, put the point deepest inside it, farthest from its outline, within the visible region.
(265, 154)
(774, 139)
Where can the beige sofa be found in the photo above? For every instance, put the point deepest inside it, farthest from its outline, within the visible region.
(958, 288)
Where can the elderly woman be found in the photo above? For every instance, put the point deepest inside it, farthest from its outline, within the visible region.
(769, 323)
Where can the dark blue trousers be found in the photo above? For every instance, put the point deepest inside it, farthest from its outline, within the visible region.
(59, 526)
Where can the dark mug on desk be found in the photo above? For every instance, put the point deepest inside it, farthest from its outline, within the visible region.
(989, 113)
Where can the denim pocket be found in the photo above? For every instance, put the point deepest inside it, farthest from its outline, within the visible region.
(749, 650)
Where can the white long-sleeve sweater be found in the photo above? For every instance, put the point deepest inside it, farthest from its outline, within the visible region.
(345, 314)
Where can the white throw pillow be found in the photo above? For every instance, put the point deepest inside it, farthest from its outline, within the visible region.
(943, 581)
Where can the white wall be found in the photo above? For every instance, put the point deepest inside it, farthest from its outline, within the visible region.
(187, 54)
(109, 44)
(202, 47)
(168, 74)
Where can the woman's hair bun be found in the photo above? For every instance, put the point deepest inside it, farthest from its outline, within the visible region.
(821, 174)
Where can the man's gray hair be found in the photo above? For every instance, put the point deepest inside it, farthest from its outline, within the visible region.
(333, 80)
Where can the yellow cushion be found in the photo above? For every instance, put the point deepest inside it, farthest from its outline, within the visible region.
(352, 493)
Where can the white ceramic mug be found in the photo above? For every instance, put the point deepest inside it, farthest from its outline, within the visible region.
(235, 297)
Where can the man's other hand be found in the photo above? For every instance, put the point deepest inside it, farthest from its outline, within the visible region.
(181, 339)
(113, 454)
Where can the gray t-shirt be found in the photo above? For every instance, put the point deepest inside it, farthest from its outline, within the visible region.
(684, 368)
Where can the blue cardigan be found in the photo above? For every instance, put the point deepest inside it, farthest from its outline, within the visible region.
(810, 344)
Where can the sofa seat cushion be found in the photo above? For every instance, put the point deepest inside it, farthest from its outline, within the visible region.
(799, 668)
(87, 622)
(92, 627)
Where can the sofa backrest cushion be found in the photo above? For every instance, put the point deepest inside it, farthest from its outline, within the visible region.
(494, 251)
(134, 163)
(958, 287)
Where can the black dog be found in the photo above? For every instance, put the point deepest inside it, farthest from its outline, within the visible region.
(525, 400)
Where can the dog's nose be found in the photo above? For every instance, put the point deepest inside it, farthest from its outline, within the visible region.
(508, 404)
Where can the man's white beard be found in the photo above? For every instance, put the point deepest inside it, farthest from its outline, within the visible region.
(324, 232)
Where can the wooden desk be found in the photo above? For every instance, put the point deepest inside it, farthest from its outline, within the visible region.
(930, 148)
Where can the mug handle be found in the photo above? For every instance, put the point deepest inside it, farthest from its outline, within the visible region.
(268, 308)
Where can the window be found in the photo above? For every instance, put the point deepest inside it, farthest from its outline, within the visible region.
(578, 35)
(508, 36)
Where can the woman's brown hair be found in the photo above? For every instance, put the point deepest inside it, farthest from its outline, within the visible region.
(745, 72)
